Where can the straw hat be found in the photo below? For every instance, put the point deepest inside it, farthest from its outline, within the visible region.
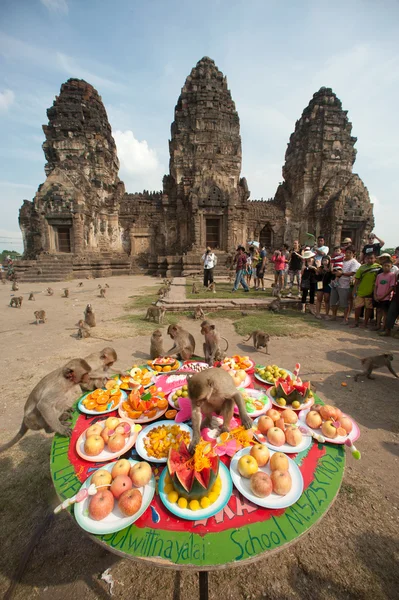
(308, 254)
(347, 241)
(385, 257)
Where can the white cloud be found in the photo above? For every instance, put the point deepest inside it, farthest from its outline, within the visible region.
(6, 99)
(60, 6)
(140, 167)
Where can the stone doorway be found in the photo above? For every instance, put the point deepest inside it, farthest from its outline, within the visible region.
(64, 239)
(213, 232)
(266, 237)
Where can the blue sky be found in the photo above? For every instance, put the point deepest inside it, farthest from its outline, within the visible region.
(137, 54)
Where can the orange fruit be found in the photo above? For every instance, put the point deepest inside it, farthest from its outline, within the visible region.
(162, 404)
(101, 407)
(158, 368)
(170, 414)
(341, 431)
(126, 406)
(224, 436)
(150, 413)
(167, 369)
(103, 399)
(134, 414)
(91, 404)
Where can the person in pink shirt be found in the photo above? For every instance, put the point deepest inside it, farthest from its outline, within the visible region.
(383, 292)
(279, 261)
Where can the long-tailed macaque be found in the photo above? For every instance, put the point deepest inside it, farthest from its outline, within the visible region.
(376, 362)
(184, 343)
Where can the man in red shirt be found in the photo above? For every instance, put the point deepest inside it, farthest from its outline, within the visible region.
(241, 263)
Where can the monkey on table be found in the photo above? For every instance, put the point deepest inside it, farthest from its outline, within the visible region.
(156, 347)
(101, 364)
(184, 342)
(212, 345)
(376, 362)
(49, 404)
(260, 338)
(213, 391)
(155, 312)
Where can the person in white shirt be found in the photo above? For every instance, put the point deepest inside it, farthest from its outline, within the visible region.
(210, 260)
(321, 250)
(340, 293)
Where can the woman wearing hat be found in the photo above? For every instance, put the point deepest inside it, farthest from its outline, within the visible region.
(308, 278)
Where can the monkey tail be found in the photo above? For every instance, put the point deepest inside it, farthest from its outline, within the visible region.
(227, 343)
(23, 429)
(248, 338)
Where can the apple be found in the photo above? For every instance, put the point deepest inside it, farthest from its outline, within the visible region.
(120, 484)
(282, 482)
(279, 462)
(94, 445)
(293, 436)
(95, 429)
(261, 484)
(106, 433)
(112, 422)
(101, 504)
(273, 414)
(346, 423)
(289, 416)
(101, 477)
(329, 430)
(327, 412)
(275, 436)
(247, 465)
(121, 467)
(123, 428)
(280, 424)
(261, 454)
(116, 442)
(129, 502)
(313, 419)
(264, 424)
(338, 414)
(140, 474)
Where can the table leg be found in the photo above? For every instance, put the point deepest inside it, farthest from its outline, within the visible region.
(203, 585)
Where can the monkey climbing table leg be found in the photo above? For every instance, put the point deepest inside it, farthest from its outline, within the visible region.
(203, 585)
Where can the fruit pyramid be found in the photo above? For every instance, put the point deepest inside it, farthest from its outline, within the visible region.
(292, 390)
(193, 476)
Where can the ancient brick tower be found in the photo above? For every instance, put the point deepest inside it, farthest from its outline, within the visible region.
(205, 163)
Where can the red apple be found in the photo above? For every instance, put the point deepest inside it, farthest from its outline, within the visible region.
(327, 411)
(124, 428)
(101, 505)
(101, 477)
(106, 433)
(247, 465)
(282, 482)
(273, 414)
(140, 474)
(129, 502)
(111, 422)
(313, 419)
(116, 442)
(261, 454)
(94, 445)
(120, 484)
(289, 416)
(261, 484)
(95, 429)
(121, 467)
(276, 437)
(280, 424)
(293, 436)
(264, 424)
(279, 462)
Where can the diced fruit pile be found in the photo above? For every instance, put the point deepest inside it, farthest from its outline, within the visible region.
(180, 393)
(280, 427)
(164, 365)
(271, 373)
(111, 434)
(119, 487)
(102, 400)
(290, 391)
(145, 403)
(330, 420)
(253, 404)
(195, 367)
(137, 376)
(237, 362)
(262, 484)
(161, 439)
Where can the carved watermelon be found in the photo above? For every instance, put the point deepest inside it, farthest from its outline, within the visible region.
(292, 390)
(192, 485)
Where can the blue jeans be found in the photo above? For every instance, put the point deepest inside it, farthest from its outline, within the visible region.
(240, 278)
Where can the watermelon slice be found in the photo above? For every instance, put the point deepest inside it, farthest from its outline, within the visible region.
(292, 390)
(192, 485)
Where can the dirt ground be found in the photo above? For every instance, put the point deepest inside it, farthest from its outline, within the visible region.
(353, 553)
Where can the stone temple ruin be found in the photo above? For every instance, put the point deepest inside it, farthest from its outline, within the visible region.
(82, 222)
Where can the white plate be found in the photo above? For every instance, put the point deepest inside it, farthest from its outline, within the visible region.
(202, 513)
(251, 366)
(286, 448)
(271, 382)
(187, 365)
(115, 521)
(307, 404)
(341, 439)
(106, 455)
(152, 382)
(255, 394)
(273, 500)
(165, 372)
(172, 404)
(140, 439)
(86, 411)
(247, 381)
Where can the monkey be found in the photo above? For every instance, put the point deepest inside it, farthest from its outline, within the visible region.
(66, 293)
(194, 289)
(155, 312)
(16, 301)
(106, 285)
(199, 313)
(156, 346)
(101, 364)
(49, 403)
(102, 292)
(275, 305)
(80, 284)
(260, 338)
(83, 333)
(276, 290)
(40, 315)
(213, 391)
(32, 297)
(15, 286)
(184, 343)
(90, 318)
(212, 287)
(375, 362)
(40, 271)
(50, 291)
(162, 293)
(212, 349)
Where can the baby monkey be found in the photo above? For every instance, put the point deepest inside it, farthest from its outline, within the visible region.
(212, 287)
(40, 315)
(16, 301)
(199, 313)
(66, 293)
(194, 288)
(260, 339)
(376, 362)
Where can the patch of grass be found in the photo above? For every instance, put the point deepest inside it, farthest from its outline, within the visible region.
(143, 327)
(143, 300)
(223, 290)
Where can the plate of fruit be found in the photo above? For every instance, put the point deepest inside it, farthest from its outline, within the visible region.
(124, 491)
(195, 487)
(101, 401)
(280, 431)
(154, 441)
(107, 440)
(271, 373)
(164, 364)
(143, 405)
(257, 402)
(137, 376)
(241, 378)
(291, 393)
(174, 396)
(331, 423)
(266, 481)
(238, 362)
(194, 366)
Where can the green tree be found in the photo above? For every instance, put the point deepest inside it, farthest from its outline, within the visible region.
(390, 251)
(14, 255)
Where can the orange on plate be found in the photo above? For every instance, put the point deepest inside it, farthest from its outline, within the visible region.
(170, 414)
(162, 404)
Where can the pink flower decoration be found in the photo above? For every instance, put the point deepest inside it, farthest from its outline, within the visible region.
(184, 414)
(230, 448)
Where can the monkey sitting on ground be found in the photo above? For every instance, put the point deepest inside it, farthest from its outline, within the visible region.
(260, 339)
(15, 286)
(155, 312)
(83, 333)
(376, 362)
(212, 350)
(50, 291)
(102, 292)
(156, 346)
(49, 403)
(80, 284)
(101, 364)
(66, 293)
(275, 305)
(16, 301)
(213, 391)
(32, 296)
(195, 288)
(106, 285)
(90, 318)
(199, 313)
(184, 343)
(212, 287)
(40, 315)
